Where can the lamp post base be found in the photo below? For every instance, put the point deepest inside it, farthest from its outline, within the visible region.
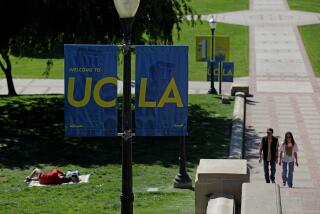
(182, 181)
(212, 91)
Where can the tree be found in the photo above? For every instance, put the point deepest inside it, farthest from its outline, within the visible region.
(10, 29)
(34, 26)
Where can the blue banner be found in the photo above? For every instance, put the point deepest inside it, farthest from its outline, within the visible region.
(161, 90)
(227, 71)
(90, 90)
(215, 71)
(219, 58)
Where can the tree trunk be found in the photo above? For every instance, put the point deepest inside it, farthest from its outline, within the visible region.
(11, 89)
(7, 72)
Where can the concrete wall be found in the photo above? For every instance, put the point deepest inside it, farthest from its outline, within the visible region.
(238, 127)
(219, 176)
(221, 204)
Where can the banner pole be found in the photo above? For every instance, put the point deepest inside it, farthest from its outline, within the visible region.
(182, 179)
(212, 89)
(127, 196)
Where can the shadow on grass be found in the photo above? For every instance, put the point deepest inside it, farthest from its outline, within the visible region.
(56, 53)
(32, 133)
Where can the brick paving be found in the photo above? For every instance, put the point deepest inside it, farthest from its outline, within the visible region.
(286, 96)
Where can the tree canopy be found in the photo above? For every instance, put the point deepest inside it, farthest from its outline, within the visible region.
(30, 27)
(37, 25)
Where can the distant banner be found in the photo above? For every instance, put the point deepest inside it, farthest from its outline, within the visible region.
(90, 90)
(219, 58)
(227, 71)
(222, 48)
(204, 48)
(215, 71)
(161, 90)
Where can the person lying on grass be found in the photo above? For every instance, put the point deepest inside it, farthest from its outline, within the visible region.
(53, 177)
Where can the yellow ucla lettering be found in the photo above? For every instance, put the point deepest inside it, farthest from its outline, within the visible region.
(96, 92)
(70, 95)
(172, 86)
(142, 95)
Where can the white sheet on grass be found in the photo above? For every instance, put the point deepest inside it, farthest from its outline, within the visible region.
(83, 179)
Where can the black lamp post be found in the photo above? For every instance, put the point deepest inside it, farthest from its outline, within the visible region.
(212, 24)
(182, 179)
(127, 10)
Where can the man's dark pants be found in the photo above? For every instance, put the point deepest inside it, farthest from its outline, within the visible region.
(266, 170)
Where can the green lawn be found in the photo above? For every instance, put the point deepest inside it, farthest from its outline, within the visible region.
(26, 67)
(311, 38)
(216, 6)
(306, 5)
(239, 44)
(38, 141)
(310, 34)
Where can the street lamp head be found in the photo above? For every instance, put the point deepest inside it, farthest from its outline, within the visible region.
(126, 8)
(212, 23)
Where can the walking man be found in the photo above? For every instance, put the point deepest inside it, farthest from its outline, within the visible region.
(269, 147)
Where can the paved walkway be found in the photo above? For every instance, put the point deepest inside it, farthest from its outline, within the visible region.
(56, 86)
(286, 96)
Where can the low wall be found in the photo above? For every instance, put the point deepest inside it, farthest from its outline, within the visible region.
(221, 204)
(219, 176)
(238, 127)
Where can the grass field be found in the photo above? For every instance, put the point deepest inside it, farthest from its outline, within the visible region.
(306, 5)
(310, 34)
(34, 68)
(216, 6)
(311, 38)
(27, 67)
(24, 67)
(239, 45)
(38, 141)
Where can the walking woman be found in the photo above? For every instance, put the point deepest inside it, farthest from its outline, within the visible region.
(288, 155)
